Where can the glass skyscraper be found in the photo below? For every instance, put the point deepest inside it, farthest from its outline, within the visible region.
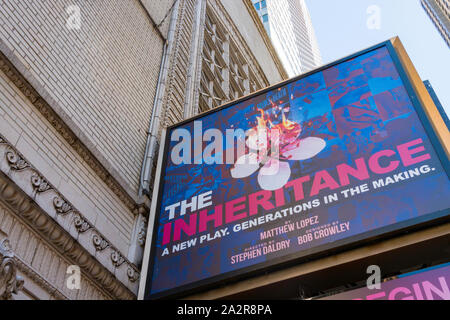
(289, 26)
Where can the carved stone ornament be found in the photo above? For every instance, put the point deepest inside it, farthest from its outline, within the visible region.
(99, 243)
(142, 233)
(81, 224)
(39, 183)
(15, 161)
(61, 206)
(133, 275)
(117, 259)
(10, 282)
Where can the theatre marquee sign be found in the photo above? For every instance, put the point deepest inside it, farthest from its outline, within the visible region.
(336, 156)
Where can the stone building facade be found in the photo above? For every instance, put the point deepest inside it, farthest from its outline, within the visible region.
(85, 88)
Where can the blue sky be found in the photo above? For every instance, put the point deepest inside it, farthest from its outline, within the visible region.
(341, 29)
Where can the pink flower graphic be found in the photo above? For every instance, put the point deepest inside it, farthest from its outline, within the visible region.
(274, 168)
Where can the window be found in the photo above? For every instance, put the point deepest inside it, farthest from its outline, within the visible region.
(263, 4)
(226, 75)
(258, 6)
(265, 18)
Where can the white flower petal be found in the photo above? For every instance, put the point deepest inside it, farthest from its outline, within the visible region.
(245, 166)
(274, 175)
(306, 149)
(257, 139)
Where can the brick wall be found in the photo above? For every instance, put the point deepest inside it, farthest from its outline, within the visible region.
(103, 78)
(103, 75)
(38, 141)
(160, 11)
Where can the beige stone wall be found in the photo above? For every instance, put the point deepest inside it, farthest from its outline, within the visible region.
(23, 125)
(102, 76)
(83, 126)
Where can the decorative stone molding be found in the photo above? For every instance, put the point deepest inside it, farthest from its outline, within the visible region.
(49, 230)
(16, 162)
(61, 205)
(138, 237)
(133, 275)
(142, 232)
(10, 282)
(38, 279)
(117, 259)
(60, 124)
(99, 243)
(39, 183)
(81, 224)
(59, 236)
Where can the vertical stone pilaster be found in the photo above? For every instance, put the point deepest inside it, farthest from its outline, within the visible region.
(226, 70)
(195, 58)
(136, 251)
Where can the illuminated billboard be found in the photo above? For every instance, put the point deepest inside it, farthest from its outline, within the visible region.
(326, 160)
(429, 284)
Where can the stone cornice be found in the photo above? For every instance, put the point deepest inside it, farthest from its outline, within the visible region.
(16, 71)
(28, 193)
(36, 277)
